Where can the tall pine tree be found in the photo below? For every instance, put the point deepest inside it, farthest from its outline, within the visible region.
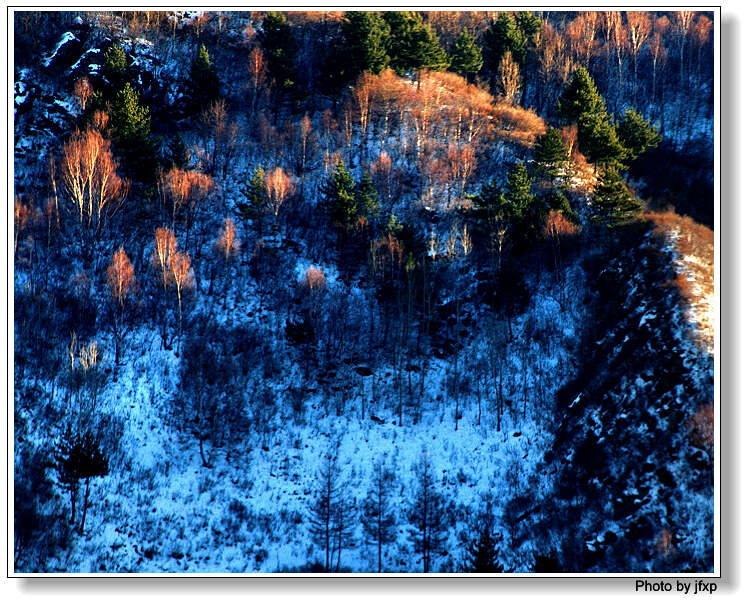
(636, 134)
(465, 56)
(203, 85)
(613, 203)
(365, 37)
(280, 50)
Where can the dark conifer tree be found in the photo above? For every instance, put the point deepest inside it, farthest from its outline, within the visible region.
(203, 83)
(114, 68)
(596, 136)
(178, 155)
(365, 37)
(413, 44)
(80, 457)
(131, 127)
(519, 194)
(580, 96)
(280, 50)
(636, 134)
(550, 151)
(503, 35)
(340, 195)
(465, 56)
(366, 198)
(483, 553)
(613, 203)
(254, 207)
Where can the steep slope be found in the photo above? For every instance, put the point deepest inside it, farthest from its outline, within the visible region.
(635, 475)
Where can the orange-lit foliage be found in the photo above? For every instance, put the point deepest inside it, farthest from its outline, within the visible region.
(701, 427)
(694, 245)
(702, 30)
(363, 92)
(120, 276)
(100, 120)
(279, 186)
(581, 33)
(227, 243)
(165, 247)
(386, 252)
(21, 215)
(314, 279)
(90, 180)
(447, 101)
(185, 189)
(557, 226)
(509, 78)
(182, 276)
(82, 91)
(257, 71)
(664, 543)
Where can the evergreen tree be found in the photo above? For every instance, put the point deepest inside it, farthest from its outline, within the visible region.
(425, 51)
(401, 24)
(580, 96)
(413, 44)
(366, 197)
(203, 84)
(528, 23)
(79, 457)
(131, 122)
(557, 201)
(254, 193)
(550, 151)
(503, 35)
(596, 136)
(393, 225)
(519, 195)
(483, 553)
(131, 126)
(178, 154)
(365, 35)
(115, 66)
(280, 50)
(613, 204)
(340, 194)
(636, 134)
(465, 55)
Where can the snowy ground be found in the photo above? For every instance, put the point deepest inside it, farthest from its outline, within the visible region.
(160, 511)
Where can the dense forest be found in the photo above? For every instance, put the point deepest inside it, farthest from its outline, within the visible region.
(363, 291)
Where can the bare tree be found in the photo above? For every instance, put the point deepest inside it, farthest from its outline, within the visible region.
(378, 517)
(121, 281)
(639, 26)
(83, 91)
(509, 78)
(185, 191)
(227, 243)
(258, 75)
(90, 180)
(183, 279)
(279, 186)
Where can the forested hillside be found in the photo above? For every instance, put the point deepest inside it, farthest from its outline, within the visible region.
(365, 291)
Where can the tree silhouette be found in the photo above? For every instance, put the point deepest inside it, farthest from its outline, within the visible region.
(79, 457)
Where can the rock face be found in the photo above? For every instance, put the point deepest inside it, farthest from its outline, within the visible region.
(633, 474)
